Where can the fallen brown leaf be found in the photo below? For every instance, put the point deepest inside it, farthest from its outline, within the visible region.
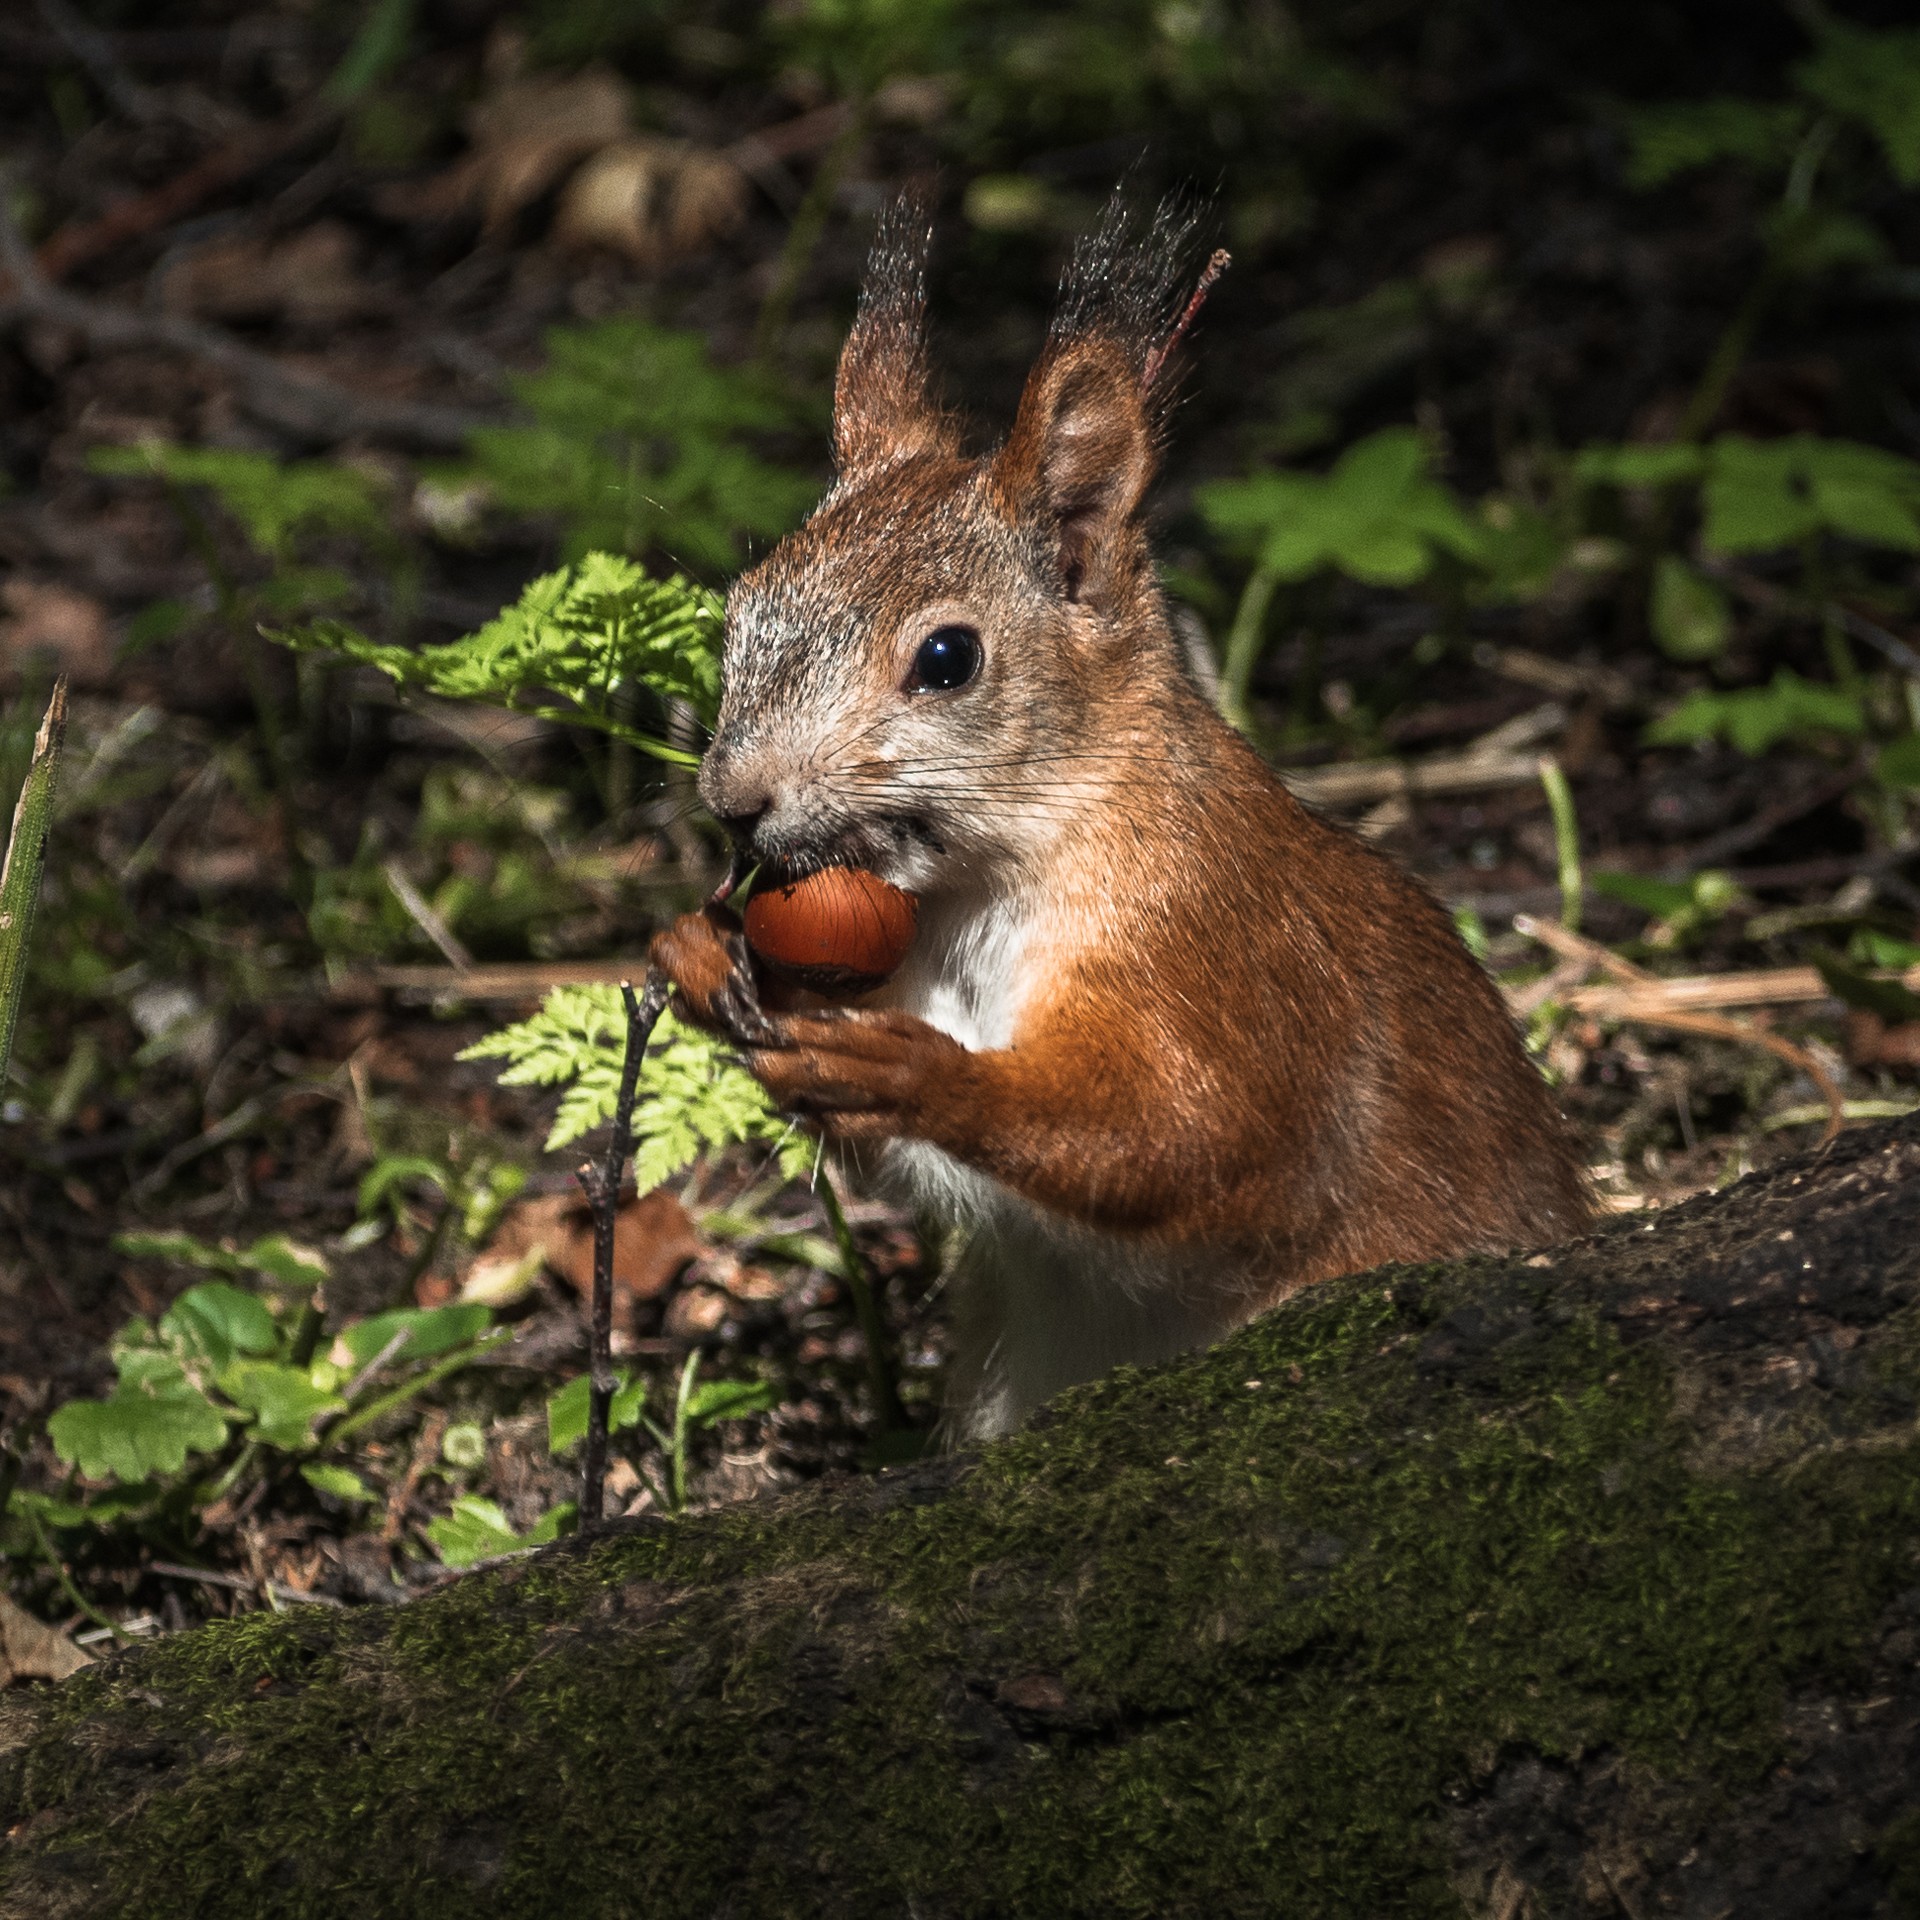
(32, 1650)
(310, 276)
(526, 134)
(652, 200)
(1873, 1042)
(653, 1239)
(65, 628)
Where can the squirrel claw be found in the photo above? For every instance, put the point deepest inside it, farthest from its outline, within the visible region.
(705, 955)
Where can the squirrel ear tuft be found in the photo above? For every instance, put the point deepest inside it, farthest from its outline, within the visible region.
(1080, 457)
(883, 410)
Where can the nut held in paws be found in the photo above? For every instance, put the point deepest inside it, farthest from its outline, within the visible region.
(842, 930)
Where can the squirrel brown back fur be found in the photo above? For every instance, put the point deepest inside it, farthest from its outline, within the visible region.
(1168, 1046)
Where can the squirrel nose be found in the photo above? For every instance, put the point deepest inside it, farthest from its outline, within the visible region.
(740, 826)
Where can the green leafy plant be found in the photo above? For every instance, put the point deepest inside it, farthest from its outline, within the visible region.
(1679, 910)
(476, 1529)
(1378, 516)
(640, 444)
(1756, 718)
(565, 650)
(1864, 79)
(1759, 496)
(693, 1098)
(230, 1382)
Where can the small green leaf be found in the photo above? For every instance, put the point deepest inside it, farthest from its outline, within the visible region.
(694, 1097)
(1871, 947)
(217, 1321)
(1755, 497)
(1658, 899)
(1898, 762)
(287, 1262)
(181, 1248)
(393, 1173)
(1640, 466)
(567, 1410)
(552, 1524)
(715, 1400)
(342, 1482)
(1888, 1000)
(283, 1400)
(1687, 611)
(1756, 718)
(565, 650)
(429, 1331)
(147, 1427)
(1874, 79)
(1666, 140)
(475, 1530)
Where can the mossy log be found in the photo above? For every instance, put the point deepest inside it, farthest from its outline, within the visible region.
(1573, 1584)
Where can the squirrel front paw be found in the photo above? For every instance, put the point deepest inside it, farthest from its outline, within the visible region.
(869, 1075)
(705, 955)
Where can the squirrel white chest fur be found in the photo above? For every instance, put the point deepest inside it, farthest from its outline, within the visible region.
(1041, 1302)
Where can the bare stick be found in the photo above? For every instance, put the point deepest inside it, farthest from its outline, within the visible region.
(601, 1185)
(1576, 947)
(316, 408)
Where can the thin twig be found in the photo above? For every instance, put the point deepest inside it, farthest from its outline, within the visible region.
(1770, 598)
(377, 1364)
(426, 1448)
(1720, 1026)
(139, 102)
(315, 408)
(1217, 263)
(601, 1185)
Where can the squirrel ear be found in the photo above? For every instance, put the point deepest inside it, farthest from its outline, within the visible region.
(1080, 457)
(882, 408)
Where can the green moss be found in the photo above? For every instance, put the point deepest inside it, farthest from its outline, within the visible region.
(1281, 1602)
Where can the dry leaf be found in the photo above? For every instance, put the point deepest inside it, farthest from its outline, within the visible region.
(694, 1312)
(1873, 1042)
(67, 629)
(652, 200)
(32, 1650)
(310, 276)
(526, 134)
(653, 1239)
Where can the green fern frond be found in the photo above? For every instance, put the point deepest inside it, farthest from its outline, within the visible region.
(564, 648)
(639, 442)
(271, 501)
(693, 1097)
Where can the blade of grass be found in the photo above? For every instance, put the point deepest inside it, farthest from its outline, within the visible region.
(374, 1409)
(26, 856)
(1566, 840)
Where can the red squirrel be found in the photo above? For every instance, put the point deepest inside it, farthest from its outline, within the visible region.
(1167, 1046)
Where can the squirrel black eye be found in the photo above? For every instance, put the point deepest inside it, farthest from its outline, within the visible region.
(947, 658)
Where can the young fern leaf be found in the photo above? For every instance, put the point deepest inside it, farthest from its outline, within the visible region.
(272, 502)
(564, 649)
(693, 1098)
(638, 442)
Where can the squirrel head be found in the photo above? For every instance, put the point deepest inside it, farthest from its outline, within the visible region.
(938, 672)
